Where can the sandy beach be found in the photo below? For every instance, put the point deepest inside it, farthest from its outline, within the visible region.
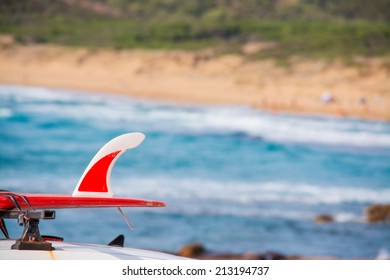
(360, 89)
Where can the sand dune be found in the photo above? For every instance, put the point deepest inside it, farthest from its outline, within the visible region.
(361, 89)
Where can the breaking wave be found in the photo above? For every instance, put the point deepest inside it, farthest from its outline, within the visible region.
(157, 116)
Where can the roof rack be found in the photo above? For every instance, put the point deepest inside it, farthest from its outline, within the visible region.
(31, 238)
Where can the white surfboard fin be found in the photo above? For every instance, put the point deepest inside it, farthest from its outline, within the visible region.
(95, 180)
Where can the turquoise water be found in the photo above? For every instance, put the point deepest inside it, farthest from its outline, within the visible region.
(233, 178)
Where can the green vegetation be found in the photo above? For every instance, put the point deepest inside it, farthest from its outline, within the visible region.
(325, 28)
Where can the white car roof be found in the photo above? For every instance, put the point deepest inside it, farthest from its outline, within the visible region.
(79, 251)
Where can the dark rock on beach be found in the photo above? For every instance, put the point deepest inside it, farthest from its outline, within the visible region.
(378, 213)
(324, 219)
(192, 250)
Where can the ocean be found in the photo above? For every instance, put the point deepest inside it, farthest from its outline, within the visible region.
(234, 179)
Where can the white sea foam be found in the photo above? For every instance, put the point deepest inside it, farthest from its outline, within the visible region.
(202, 119)
(263, 200)
(246, 193)
(346, 217)
(5, 113)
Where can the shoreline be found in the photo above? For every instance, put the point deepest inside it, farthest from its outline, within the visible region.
(310, 87)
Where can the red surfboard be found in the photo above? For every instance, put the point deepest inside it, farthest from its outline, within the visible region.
(93, 189)
(46, 201)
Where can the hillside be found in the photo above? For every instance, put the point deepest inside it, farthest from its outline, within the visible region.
(315, 28)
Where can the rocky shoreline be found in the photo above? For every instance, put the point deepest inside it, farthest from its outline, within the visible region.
(376, 213)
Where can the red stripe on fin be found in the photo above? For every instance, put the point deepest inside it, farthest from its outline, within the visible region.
(96, 178)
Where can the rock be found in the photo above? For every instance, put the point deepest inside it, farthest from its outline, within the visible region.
(324, 219)
(192, 250)
(377, 213)
(273, 256)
